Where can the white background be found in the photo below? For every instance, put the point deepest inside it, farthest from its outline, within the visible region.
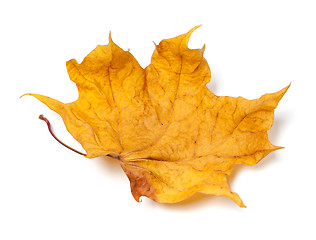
(252, 47)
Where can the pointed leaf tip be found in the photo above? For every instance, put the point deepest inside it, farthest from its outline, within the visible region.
(110, 38)
(188, 35)
(24, 95)
(283, 91)
(194, 28)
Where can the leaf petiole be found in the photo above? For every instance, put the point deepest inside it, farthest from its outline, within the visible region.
(51, 132)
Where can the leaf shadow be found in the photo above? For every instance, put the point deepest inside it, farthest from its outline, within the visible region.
(278, 125)
(109, 165)
(213, 85)
(198, 201)
(264, 163)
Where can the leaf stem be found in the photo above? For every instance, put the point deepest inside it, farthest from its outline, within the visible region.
(51, 132)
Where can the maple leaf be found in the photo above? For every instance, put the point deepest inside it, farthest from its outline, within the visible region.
(172, 136)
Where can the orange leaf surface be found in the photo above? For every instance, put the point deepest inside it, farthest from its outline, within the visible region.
(172, 136)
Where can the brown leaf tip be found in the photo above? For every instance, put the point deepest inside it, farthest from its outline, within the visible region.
(139, 182)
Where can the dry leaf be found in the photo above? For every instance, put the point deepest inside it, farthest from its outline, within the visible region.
(172, 136)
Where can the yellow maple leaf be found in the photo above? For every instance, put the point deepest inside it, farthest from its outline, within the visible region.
(172, 136)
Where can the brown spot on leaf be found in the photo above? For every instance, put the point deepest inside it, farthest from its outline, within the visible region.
(140, 182)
